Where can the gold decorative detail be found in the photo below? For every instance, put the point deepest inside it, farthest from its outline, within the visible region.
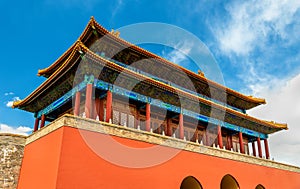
(201, 73)
(115, 33)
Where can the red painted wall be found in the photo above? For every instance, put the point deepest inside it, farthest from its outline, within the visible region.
(40, 162)
(80, 167)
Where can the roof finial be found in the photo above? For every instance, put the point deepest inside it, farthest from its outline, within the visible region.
(115, 33)
(201, 73)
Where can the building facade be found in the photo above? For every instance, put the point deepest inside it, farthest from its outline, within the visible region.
(113, 115)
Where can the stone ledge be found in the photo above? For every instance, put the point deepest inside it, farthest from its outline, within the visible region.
(13, 135)
(153, 138)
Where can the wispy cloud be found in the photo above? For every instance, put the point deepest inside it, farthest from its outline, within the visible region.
(179, 55)
(10, 103)
(8, 93)
(283, 106)
(14, 130)
(254, 24)
(259, 38)
(117, 7)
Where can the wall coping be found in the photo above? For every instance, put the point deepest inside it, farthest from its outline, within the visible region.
(131, 133)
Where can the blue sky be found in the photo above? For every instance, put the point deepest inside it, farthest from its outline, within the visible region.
(255, 43)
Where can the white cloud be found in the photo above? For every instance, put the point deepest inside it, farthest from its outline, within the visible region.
(8, 93)
(180, 53)
(117, 7)
(252, 22)
(19, 130)
(283, 105)
(10, 103)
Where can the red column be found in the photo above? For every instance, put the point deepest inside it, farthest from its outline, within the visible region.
(228, 146)
(137, 119)
(220, 141)
(77, 104)
(242, 150)
(93, 109)
(207, 142)
(181, 130)
(88, 101)
(43, 117)
(97, 108)
(253, 149)
(148, 117)
(169, 127)
(267, 148)
(231, 142)
(36, 124)
(195, 136)
(108, 105)
(101, 110)
(259, 147)
(166, 127)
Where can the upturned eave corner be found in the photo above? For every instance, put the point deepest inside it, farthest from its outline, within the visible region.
(16, 103)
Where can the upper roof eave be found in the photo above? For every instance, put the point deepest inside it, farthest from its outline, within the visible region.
(93, 24)
(80, 46)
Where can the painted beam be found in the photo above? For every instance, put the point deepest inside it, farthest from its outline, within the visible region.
(141, 98)
(158, 103)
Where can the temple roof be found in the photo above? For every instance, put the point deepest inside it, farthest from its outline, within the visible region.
(234, 98)
(30, 103)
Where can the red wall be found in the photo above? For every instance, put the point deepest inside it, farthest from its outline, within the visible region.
(40, 162)
(80, 167)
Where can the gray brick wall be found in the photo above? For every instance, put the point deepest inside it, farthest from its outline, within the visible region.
(11, 154)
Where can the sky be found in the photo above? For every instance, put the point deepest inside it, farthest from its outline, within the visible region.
(256, 45)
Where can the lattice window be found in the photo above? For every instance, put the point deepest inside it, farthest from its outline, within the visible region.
(116, 117)
(123, 119)
(130, 121)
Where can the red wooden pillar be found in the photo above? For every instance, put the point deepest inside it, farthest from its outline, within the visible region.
(242, 150)
(148, 112)
(88, 101)
(97, 108)
(77, 104)
(137, 119)
(43, 117)
(36, 124)
(169, 127)
(231, 142)
(253, 149)
(101, 110)
(108, 105)
(267, 148)
(228, 146)
(181, 129)
(220, 141)
(259, 147)
(94, 110)
(207, 142)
